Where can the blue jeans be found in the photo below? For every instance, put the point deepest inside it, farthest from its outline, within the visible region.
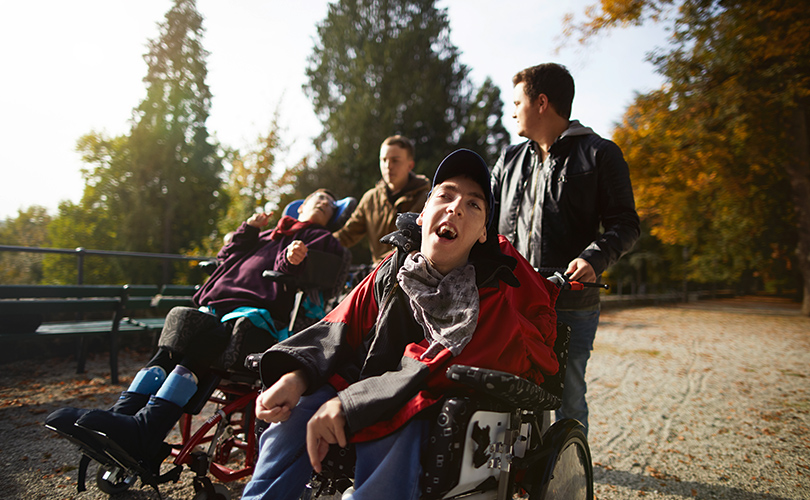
(388, 467)
(283, 469)
(583, 331)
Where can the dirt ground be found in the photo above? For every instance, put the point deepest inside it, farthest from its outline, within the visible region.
(705, 400)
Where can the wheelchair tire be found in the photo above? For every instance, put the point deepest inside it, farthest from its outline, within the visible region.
(567, 472)
(221, 492)
(116, 486)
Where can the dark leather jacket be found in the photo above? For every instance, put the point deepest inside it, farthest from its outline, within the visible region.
(585, 184)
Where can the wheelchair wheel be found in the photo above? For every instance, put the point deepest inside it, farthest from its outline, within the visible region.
(113, 480)
(567, 472)
(221, 492)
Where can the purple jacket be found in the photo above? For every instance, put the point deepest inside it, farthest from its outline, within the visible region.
(238, 281)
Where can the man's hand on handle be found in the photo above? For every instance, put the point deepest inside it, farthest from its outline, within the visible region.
(580, 270)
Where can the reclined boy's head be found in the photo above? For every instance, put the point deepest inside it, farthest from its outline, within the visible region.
(458, 211)
(318, 207)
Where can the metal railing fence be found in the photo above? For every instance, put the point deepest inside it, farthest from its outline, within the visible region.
(82, 252)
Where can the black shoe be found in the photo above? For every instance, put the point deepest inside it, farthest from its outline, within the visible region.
(62, 420)
(139, 435)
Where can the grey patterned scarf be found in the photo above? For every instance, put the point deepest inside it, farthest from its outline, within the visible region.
(446, 306)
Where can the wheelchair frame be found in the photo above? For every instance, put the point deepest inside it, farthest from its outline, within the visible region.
(498, 444)
(232, 426)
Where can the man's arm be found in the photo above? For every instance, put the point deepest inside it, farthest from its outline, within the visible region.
(357, 226)
(495, 178)
(617, 211)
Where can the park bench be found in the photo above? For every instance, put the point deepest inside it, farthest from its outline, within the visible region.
(158, 305)
(36, 312)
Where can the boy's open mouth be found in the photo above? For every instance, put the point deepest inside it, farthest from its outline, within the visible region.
(447, 232)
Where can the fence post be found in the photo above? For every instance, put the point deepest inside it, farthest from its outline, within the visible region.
(81, 347)
(80, 252)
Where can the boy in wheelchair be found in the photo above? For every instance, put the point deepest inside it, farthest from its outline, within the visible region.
(373, 369)
(234, 301)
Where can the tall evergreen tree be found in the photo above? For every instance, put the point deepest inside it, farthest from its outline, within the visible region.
(384, 67)
(160, 185)
(480, 127)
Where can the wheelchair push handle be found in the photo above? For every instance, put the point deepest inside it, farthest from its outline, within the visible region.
(561, 280)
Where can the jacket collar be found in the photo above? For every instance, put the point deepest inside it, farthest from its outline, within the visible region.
(416, 183)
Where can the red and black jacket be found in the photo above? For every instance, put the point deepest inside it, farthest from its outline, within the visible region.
(369, 346)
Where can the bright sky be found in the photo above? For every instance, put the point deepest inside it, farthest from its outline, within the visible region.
(70, 68)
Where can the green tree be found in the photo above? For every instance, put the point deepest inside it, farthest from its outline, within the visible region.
(480, 127)
(28, 229)
(384, 67)
(87, 226)
(728, 132)
(160, 185)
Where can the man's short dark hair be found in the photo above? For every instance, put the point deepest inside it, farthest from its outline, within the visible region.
(402, 142)
(551, 79)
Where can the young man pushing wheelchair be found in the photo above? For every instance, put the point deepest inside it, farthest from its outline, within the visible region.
(372, 371)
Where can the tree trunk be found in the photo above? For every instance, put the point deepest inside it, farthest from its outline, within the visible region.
(799, 174)
(168, 223)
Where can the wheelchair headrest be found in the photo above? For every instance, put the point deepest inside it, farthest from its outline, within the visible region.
(343, 209)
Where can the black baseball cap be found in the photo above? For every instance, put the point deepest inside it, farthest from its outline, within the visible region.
(470, 164)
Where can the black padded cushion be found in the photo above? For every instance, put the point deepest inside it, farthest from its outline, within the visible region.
(515, 391)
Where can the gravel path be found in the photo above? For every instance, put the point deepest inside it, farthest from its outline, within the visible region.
(708, 400)
(705, 400)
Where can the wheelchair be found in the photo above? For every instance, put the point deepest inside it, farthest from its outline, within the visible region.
(500, 443)
(225, 444)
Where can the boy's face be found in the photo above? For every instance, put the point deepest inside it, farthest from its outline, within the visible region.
(395, 164)
(318, 208)
(453, 219)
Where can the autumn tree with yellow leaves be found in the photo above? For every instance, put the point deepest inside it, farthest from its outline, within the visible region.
(721, 154)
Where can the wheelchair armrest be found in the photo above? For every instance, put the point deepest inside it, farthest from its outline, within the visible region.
(505, 387)
(320, 272)
(279, 277)
(253, 361)
(209, 266)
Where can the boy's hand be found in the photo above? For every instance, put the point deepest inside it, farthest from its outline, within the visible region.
(324, 428)
(259, 219)
(276, 403)
(296, 252)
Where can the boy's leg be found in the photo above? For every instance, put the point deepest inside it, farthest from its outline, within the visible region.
(390, 467)
(283, 468)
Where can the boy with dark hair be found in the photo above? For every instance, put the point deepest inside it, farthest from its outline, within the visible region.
(372, 370)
